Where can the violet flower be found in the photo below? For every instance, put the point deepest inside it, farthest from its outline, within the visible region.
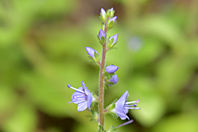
(90, 51)
(113, 79)
(101, 34)
(82, 97)
(122, 106)
(111, 68)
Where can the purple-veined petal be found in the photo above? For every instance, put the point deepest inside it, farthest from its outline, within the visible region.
(111, 68)
(89, 95)
(85, 88)
(82, 106)
(78, 97)
(89, 100)
(101, 33)
(123, 98)
(122, 115)
(119, 106)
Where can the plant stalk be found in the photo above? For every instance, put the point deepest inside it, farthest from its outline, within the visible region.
(101, 79)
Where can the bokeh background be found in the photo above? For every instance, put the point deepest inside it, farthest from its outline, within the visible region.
(42, 49)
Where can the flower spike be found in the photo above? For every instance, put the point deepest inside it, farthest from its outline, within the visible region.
(82, 97)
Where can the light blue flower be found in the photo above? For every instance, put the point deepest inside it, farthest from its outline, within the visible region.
(122, 106)
(82, 97)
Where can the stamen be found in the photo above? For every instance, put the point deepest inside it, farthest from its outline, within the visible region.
(130, 105)
(68, 85)
(131, 102)
(76, 89)
(134, 108)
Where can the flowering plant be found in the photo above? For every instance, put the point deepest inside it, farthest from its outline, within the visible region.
(107, 77)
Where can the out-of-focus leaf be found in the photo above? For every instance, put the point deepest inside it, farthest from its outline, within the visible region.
(23, 120)
(178, 123)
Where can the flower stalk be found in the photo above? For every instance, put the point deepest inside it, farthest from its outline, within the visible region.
(101, 78)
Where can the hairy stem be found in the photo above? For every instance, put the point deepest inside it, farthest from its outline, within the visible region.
(101, 79)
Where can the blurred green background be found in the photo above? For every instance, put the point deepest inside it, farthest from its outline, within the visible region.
(42, 49)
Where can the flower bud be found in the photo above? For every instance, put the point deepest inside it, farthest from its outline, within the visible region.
(93, 54)
(111, 22)
(111, 68)
(103, 15)
(113, 80)
(101, 36)
(112, 41)
(110, 12)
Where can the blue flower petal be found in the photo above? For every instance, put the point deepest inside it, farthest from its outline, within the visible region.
(78, 97)
(82, 106)
(122, 115)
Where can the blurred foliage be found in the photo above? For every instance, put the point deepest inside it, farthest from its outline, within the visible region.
(42, 49)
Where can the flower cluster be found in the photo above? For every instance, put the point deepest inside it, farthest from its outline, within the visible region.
(108, 77)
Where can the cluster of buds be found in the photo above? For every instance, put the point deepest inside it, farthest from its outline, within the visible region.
(83, 97)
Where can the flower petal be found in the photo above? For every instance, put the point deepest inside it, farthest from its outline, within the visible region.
(122, 115)
(89, 95)
(82, 106)
(89, 100)
(78, 97)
